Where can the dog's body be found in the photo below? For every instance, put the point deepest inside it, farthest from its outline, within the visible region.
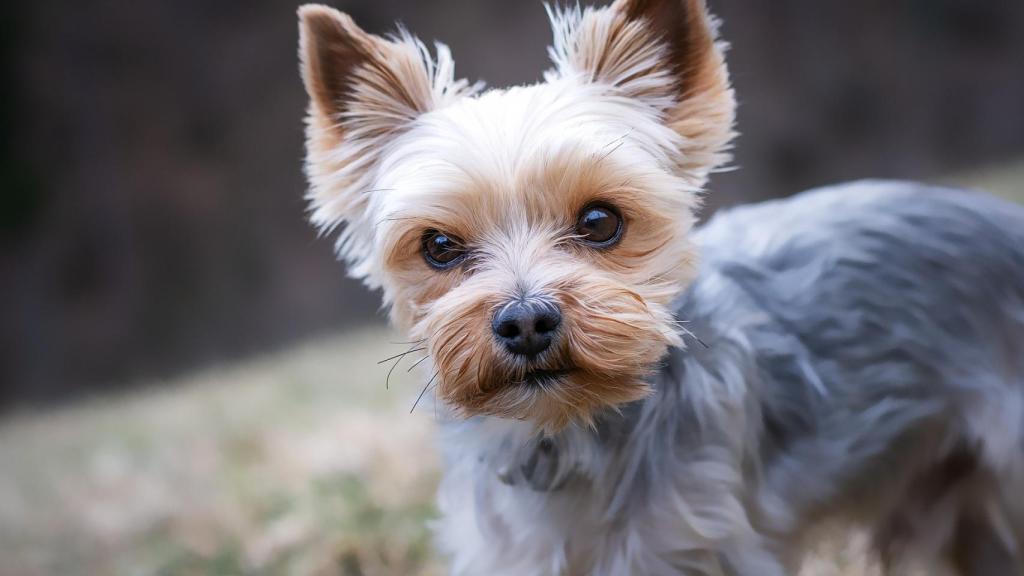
(862, 357)
(617, 408)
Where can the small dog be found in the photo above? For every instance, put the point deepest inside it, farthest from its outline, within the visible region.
(615, 405)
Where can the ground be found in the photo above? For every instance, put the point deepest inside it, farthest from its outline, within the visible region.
(302, 462)
(298, 463)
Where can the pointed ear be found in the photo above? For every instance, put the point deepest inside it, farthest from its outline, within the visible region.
(364, 90)
(663, 52)
(348, 72)
(331, 48)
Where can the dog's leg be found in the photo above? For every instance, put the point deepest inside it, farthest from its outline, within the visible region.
(979, 548)
(989, 534)
(755, 561)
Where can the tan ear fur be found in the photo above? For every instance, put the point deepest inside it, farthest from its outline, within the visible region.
(331, 48)
(664, 52)
(349, 73)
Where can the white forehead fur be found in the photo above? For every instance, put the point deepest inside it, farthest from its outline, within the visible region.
(494, 136)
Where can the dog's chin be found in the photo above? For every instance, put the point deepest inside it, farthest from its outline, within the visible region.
(543, 378)
(553, 398)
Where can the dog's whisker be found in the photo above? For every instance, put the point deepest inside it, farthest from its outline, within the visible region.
(614, 145)
(681, 326)
(417, 363)
(387, 379)
(618, 144)
(663, 276)
(426, 387)
(695, 337)
(420, 341)
(400, 355)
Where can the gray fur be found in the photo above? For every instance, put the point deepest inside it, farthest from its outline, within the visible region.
(862, 360)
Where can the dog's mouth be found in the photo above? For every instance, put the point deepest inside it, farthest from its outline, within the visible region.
(545, 377)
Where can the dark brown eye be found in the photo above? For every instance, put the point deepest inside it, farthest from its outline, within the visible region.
(599, 225)
(441, 250)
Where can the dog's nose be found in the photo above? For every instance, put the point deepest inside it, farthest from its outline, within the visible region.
(526, 327)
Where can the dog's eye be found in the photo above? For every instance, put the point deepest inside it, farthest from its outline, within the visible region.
(441, 250)
(599, 225)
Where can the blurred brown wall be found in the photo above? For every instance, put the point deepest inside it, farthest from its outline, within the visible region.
(150, 153)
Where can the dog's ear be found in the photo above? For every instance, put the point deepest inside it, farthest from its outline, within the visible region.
(364, 90)
(663, 52)
(349, 73)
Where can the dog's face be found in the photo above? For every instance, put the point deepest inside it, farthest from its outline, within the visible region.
(532, 238)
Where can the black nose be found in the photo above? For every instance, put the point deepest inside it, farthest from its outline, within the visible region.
(526, 327)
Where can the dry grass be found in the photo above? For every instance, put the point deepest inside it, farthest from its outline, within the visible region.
(297, 463)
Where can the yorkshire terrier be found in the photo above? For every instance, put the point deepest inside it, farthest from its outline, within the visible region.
(615, 405)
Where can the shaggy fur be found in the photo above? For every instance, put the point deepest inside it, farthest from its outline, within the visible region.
(850, 354)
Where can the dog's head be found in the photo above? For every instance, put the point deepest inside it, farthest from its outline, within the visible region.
(533, 237)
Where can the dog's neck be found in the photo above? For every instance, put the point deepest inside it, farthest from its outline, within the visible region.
(685, 390)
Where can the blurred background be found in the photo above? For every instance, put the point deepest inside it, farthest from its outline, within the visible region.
(188, 381)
